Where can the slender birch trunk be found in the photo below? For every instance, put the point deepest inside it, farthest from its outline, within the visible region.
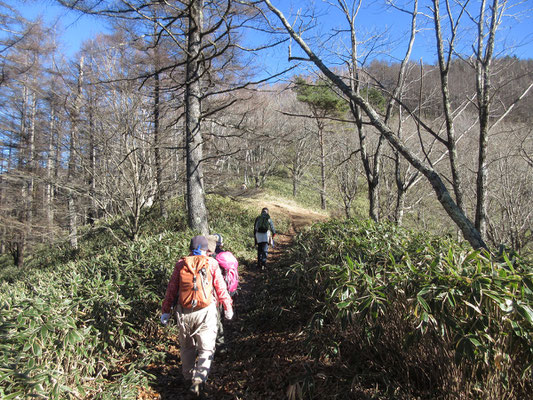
(71, 172)
(444, 69)
(49, 191)
(322, 165)
(483, 69)
(371, 164)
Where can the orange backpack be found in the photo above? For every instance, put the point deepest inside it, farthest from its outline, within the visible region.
(196, 283)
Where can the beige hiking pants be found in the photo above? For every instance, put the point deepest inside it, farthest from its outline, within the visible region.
(198, 333)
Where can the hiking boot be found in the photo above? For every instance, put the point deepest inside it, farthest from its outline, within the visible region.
(196, 389)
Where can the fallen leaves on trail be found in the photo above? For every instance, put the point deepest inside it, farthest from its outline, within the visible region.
(260, 360)
(147, 394)
(264, 359)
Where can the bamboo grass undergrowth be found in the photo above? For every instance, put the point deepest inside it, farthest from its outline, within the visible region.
(85, 323)
(395, 301)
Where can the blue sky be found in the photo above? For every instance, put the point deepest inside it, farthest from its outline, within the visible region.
(74, 28)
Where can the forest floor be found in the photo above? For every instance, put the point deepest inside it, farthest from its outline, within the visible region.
(264, 358)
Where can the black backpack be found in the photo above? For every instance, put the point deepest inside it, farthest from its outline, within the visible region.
(262, 223)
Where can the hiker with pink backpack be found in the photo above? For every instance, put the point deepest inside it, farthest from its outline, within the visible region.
(229, 267)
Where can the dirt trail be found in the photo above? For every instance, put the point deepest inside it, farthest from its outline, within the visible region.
(300, 217)
(262, 356)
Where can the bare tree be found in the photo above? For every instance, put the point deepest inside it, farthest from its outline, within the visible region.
(204, 33)
(512, 215)
(115, 146)
(435, 179)
(72, 158)
(15, 30)
(23, 136)
(299, 155)
(372, 159)
(347, 173)
(263, 131)
(323, 103)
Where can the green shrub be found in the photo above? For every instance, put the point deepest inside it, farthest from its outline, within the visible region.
(418, 303)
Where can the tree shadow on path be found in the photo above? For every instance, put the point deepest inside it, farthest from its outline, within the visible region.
(265, 349)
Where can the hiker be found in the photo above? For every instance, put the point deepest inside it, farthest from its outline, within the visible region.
(264, 233)
(229, 267)
(215, 244)
(194, 287)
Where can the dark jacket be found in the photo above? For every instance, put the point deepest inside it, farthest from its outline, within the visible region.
(270, 223)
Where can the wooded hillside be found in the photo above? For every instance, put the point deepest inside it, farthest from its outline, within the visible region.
(170, 104)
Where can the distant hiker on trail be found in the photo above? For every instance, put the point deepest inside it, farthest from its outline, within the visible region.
(229, 267)
(194, 287)
(264, 233)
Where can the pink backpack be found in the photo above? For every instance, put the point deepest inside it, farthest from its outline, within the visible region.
(229, 264)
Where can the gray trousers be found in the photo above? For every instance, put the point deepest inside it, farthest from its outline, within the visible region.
(198, 333)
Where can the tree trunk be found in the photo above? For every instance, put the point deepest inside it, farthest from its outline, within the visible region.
(196, 209)
(400, 206)
(322, 165)
(371, 168)
(93, 208)
(371, 171)
(348, 209)
(49, 191)
(401, 181)
(18, 253)
(71, 201)
(246, 167)
(157, 149)
(20, 241)
(159, 197)
(482, 173)
(31, 165)
(483, 63)
(294, 184)
(450, 128)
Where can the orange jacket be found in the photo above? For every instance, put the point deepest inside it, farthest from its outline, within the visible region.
(219, 284)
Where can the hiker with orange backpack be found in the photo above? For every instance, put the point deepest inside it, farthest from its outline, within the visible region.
(195, 285)
(264, 233)
(229, 267)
